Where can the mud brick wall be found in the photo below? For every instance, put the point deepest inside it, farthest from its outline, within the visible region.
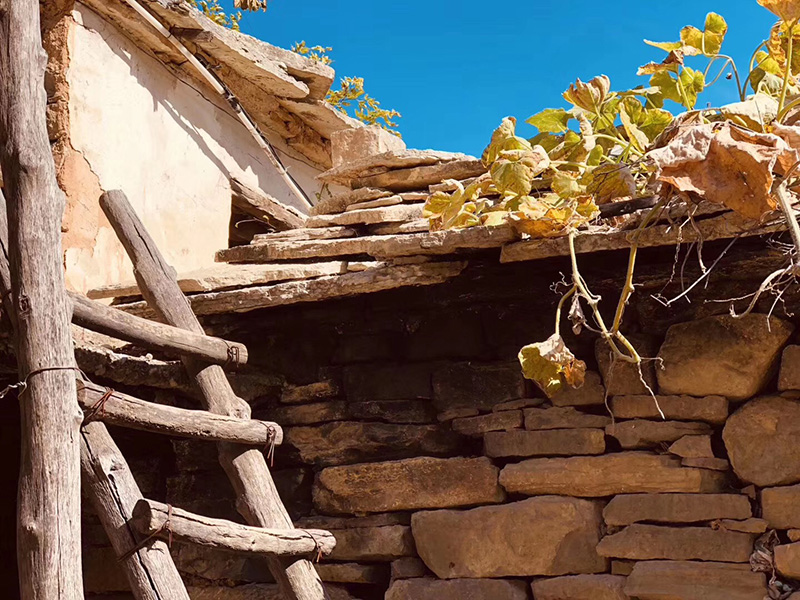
(411, 435)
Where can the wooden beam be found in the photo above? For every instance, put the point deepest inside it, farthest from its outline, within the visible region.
(48, 502)
(151, 572)
(162, 520)
(127, 411)
(259, 501)
(155, 336)
(264, 207)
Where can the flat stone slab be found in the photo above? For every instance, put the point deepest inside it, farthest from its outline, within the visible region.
(563, 418)
(709, 409)
(386, 161)
(368, 216)
(581, 587)
(553, 442)
(789, 377)
(651, 542)
(338, 203)
(693, 446)
(591, 393)
(787, 560)
(375, 544)
(626, 509)
(722, 356)
(763, 441)
(457, 589)
(540, 536)
(412, 484)
(608, 475)
(648, 434)
(499, 421)
(678, 580)
(780, 506)
(419, 178)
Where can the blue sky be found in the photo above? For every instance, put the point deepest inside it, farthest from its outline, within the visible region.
(454, 69)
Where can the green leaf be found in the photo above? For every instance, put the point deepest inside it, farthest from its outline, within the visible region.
(708, 42)
(551, 365)
(589, 96)
(514, 170)
(551, 120)
(692, 84)
(654, 121)
(609, 182)
(548, 141)
(566, 185)
(635, 135)
(503, 139)
(666, 46)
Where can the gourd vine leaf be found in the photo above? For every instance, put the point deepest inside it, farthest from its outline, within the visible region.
(552, 366)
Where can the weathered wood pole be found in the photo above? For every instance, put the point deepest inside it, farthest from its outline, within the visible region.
(258, 498)
(48, 524)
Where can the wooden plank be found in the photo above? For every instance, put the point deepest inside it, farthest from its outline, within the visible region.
(48, 499)
(726, 226)
(379, 246)
(123, 410)
(259, 501)
(261, 205)
(315, 290)
(154, 518)
(154, 336)
(220, 277)
(369, 216)
(150, 571)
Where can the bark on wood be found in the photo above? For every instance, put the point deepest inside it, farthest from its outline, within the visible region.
(48, 518)
(155, 336)
(155, 518)
(128, 411)
(259, 501)
(151, 573)
(314, 290)
(379, 246)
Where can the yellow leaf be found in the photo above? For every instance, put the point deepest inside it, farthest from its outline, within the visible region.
(514, 170)
(504, 139)
(788, 10)
(551, 365)
(589, 96)
(609, 182)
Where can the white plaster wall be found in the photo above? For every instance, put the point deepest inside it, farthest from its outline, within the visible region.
(170, 149)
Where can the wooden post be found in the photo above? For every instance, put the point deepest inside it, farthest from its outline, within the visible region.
(157, 519)
(109, 482)
(48, 524)
(259, 501)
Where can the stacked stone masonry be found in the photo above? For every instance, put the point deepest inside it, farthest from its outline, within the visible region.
(444, 475)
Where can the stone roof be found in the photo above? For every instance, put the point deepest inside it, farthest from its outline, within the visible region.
(281, 90)
(369, 239)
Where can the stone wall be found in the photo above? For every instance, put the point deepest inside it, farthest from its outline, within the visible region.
(411, 435)
(130, 122)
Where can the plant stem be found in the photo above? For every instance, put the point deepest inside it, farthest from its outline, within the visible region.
(785, 203)
(560, 308)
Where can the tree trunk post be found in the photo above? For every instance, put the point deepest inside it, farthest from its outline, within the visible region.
(48, 524)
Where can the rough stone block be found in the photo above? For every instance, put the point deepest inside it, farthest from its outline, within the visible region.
(581, 587)
(710, 409)
(553, 442)
(712, 463)
(256, 591)
(780, 506)
(678, 580)
(763, 441)
(752, 525)
(591, 393)
(563, 418)
(722, 355)
(496, 421)
(540, 536)
(375, 544)
(787, 560)
(412, 484)
(626, 509)
(350, 442)
(693, 446)
(789, 376)
(457, 589)
(308, 414)
(649, 434)
(394, 411)
(408, 568)
(598, 476)
(349, 145)
(477, 385)
(623, 378)
(653, 542)
(352, 573)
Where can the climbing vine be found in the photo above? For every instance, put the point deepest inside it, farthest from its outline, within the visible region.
(608, 147)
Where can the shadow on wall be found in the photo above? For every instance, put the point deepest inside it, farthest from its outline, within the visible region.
(9, 474)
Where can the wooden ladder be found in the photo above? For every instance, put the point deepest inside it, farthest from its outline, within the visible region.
(137, 527)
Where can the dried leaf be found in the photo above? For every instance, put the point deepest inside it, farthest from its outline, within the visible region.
(788, 10)
(551, 365)
(514, 170)
(608, 182)
(725, 164)
(504, 139)
(589, 96)
(757, 111)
